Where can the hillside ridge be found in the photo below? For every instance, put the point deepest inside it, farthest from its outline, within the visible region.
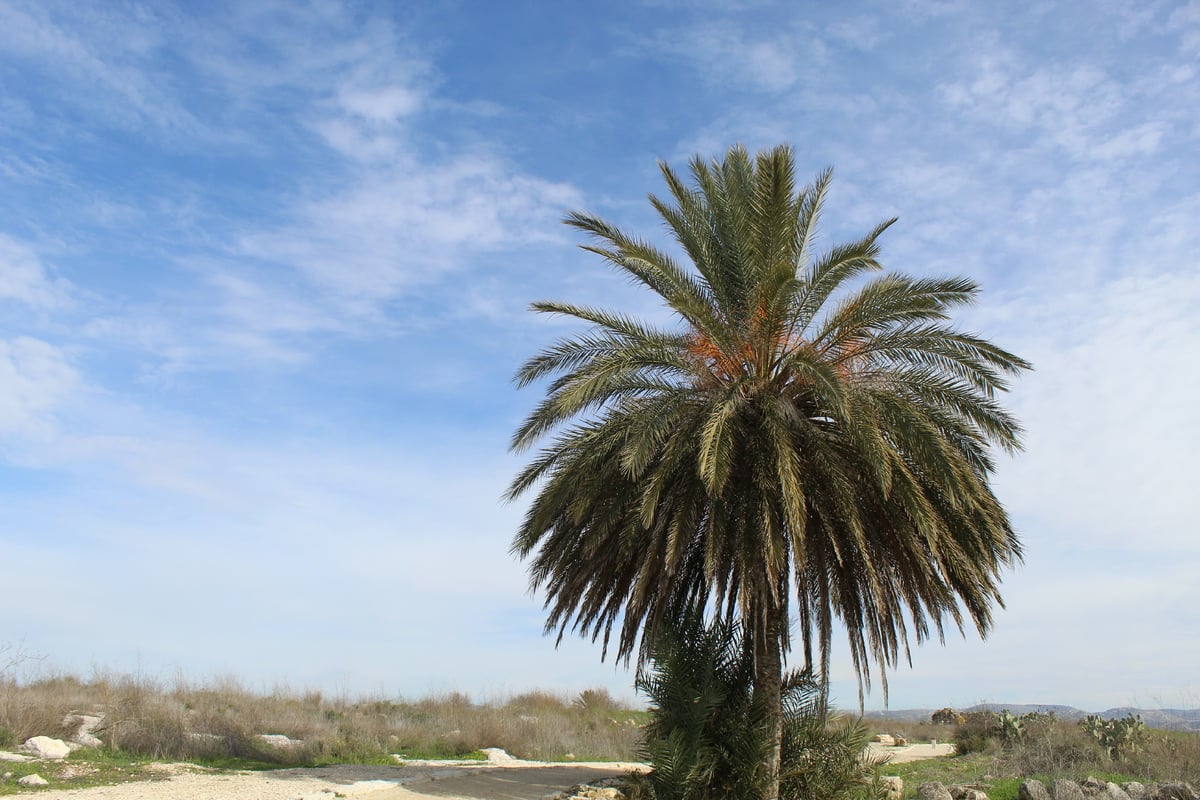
(1187, 719)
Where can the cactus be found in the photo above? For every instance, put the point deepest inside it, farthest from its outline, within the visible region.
(1011, 729)
(1118, 737)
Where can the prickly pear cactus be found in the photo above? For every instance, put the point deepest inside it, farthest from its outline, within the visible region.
(1117, 736)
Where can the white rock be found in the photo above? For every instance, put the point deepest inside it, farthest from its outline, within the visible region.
(85, 723)
(45, 747)
(279, 740)
(14, 757)
(33, 780)
(88, 740)
(497, 755)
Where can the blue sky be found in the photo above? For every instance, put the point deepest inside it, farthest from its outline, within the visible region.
(264, 278)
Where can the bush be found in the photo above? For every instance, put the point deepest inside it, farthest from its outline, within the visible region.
(709, 737)
(975, 733)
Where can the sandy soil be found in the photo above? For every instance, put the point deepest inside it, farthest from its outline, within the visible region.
(410, 781)
(913, 752)
(413, 780)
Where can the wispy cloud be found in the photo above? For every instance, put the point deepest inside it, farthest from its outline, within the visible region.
(35, 377)
(1108, 412)
(24, 277)
(408, 225)
(729, 55)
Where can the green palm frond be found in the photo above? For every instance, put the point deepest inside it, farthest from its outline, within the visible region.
(810, 440)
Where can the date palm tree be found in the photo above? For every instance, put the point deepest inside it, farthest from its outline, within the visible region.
(809, 440)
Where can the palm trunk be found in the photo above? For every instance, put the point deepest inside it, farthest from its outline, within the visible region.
(768, 690)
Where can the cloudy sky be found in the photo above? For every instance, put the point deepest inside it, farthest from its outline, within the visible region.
(265, 272)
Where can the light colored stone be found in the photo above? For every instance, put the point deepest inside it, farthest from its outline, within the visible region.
(893, 786)
(597, 793)
(5, 756)
(884, 739)
(1135, 790)
(967, 793)
(88, 740)
(45, 747)
(83, 723)
(900, 741)
(279, 740)
(33, 780)
(1033, 789)
(1114, 792)
(496, 755)
(933, 791)
(1066, 790)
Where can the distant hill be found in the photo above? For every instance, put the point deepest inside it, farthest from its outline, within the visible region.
(1183, 719)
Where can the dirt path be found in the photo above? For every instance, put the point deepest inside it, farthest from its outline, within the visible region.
(414, 780)
(913, 752)
(410, 781)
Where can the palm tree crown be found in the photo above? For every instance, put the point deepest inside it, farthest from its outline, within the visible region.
(810, 442)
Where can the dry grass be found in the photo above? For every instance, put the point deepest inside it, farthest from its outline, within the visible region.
(222, 720)
(1050, 749)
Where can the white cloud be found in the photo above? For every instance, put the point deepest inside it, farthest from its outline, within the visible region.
(726, 53)
(1185, 20)
(394, 229)
(35, 377)
(25, 279)
(105, 69)
(861, 32)
(1109, 412)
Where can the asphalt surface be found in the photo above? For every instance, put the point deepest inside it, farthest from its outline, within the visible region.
(502, 783)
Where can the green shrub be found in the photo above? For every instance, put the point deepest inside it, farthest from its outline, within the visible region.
(976, 731)
(708, 736)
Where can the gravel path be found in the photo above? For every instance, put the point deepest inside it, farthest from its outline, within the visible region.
(413, 780)
(410, 781)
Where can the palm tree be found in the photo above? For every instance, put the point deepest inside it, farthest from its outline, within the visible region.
(808, 442)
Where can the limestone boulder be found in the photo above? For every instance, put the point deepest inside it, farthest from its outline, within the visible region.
(1066, 790)
(933, 791)
(1033, 789)
(893, 787)
(45, 747)
(1114, 792)
(279, 741)
(496, 755)
(1135, 790)
(33, 780)
(959, 792)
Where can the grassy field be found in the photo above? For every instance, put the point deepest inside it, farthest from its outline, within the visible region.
(1047, 749)
(221, 722)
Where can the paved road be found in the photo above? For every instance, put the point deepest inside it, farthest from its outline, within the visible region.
(506, 783)
(482, 782)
